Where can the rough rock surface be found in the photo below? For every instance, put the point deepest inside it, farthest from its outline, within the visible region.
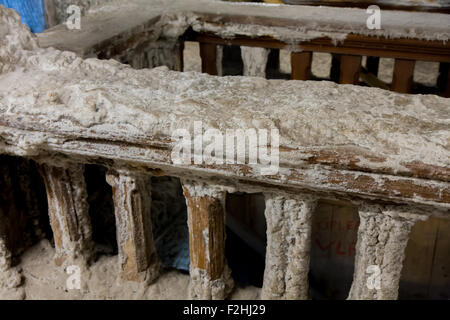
(63, 93)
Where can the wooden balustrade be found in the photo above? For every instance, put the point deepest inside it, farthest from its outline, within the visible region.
(127, 122)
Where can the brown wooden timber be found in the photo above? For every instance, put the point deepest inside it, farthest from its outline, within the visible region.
(206, 234)
(208, 53)
(349, 71)
(301, 65)
(402, 80)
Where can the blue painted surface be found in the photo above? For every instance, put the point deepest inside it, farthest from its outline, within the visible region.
(31, 12)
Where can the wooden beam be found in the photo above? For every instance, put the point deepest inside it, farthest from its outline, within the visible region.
(210, 276)
(68, 210)
(402, 80)
(301, 65)
(132, 204)
(349, 71)
(208, 54)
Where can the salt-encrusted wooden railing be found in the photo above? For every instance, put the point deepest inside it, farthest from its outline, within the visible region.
(154, 36)
(385, 152)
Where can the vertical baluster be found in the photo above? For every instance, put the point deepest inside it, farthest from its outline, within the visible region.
(380, 250)
(349, 71)
(402, 80)
(288, 246)
(210, 275)
(208, 54)
(68, 210)
(301, 65)
(255, 61)
(138, 258)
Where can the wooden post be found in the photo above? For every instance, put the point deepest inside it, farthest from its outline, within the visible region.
(68, 210)
(349, 71)
(380, 250)
(138, 258)
(301, 65)
(288, 246)
(208, 54)
(402, 80)
(210, 275)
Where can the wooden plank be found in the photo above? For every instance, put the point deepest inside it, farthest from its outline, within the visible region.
(349, 71)
(402, 80)
(208, 53)
(301, 65)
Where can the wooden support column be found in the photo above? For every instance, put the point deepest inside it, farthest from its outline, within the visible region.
(380, 250)
(255, 61)
(208, 54)
(349, 71)
(68, 210)
(138, 258)
(301, 65)
(288, 246)
(210, 275)
(402, 80)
